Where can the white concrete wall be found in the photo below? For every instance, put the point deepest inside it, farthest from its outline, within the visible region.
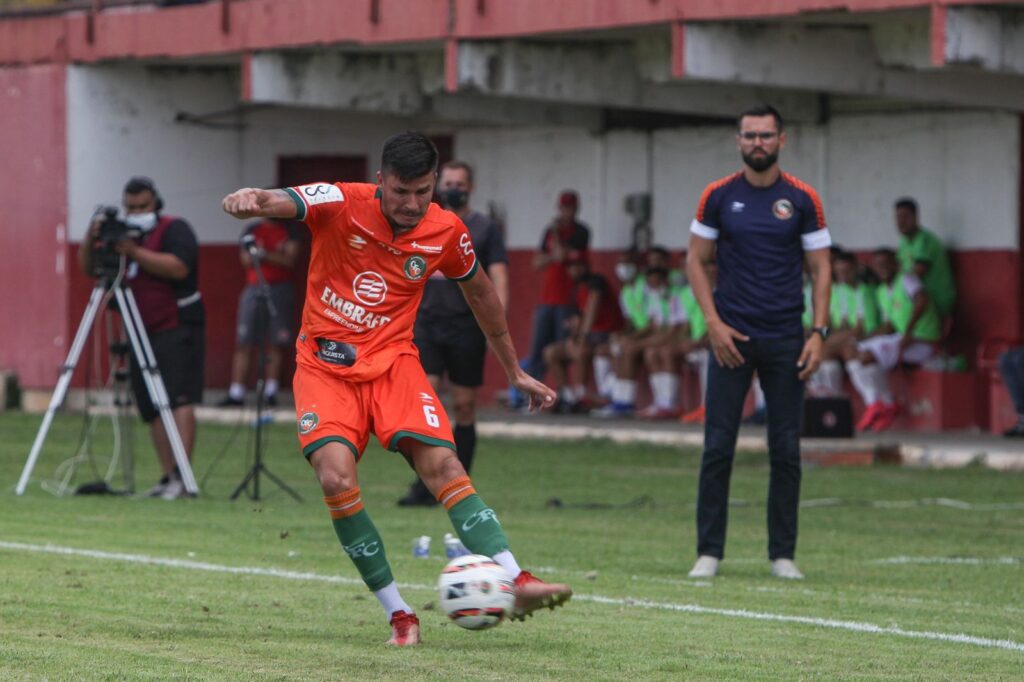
(963, 168)
(121, 123)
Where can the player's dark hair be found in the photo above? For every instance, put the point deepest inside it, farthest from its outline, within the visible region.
(761, 110)
(460, 165)
(660, 250)
(908, 203)
(408, 156)
(884, 251)
(846, 257)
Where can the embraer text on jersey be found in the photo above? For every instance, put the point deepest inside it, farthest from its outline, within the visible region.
(363, 318)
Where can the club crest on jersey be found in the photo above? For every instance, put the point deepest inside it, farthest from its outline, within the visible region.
(783, 209)
(369, 288)
(308, 422)
(415, 267)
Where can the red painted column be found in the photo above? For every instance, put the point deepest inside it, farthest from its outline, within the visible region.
(33, 192)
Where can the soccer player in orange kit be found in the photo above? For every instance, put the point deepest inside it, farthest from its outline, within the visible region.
(357, 370)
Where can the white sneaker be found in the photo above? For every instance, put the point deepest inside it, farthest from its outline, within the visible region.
(706, 567)
(159, 488)
(174, 490)
(785, 568)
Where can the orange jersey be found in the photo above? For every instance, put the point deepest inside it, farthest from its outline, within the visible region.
(365, 284)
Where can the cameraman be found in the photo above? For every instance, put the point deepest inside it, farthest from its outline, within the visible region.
(163, 274)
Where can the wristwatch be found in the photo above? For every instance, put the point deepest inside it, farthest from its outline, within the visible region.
(821, 331)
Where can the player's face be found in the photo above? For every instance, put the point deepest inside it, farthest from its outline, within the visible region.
(405, 202)
(845, 272)
(760, 142)
(906, 221)
(884, 266)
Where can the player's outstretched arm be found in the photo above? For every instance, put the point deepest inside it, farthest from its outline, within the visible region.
(251, 202)
(490, 315)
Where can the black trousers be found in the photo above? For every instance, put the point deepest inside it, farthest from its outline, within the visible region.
(774, 360)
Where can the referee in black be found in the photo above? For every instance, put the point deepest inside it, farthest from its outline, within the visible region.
(446, 333)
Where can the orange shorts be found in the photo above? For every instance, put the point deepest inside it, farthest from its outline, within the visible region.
(398, 404)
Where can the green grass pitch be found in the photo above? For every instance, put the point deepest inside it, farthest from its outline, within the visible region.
(903, 581)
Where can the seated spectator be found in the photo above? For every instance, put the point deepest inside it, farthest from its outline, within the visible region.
(853, 316)
(693, 347)
(651, 322)
(660, 257)
(914, 328)
(922, 253)
(589, 338)
(1011, 369)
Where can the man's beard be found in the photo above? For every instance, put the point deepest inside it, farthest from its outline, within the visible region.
(760, 164)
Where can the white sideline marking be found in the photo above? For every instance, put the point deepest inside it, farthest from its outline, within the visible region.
(968, 560)
(853, 626)
(906, 504)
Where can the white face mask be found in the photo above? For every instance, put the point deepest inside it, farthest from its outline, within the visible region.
(626, 272)
(143, 221)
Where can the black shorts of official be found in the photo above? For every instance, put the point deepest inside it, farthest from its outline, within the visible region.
(179, 357)
(454, 347)
(249, 332)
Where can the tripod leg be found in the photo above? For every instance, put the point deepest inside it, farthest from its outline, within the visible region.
(88, 317)
(281, 484)
(154, 383)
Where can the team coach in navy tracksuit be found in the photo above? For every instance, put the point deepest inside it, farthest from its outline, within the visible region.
(764, 225)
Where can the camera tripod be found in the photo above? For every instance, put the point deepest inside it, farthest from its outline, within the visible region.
(264, 311)
(143, 353)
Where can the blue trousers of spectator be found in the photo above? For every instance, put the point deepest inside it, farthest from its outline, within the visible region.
(774, 360)
(1011, 369)
(548, 327)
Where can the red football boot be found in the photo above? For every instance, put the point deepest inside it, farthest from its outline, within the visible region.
(533, 593)
(405, 629)
(873, 412)
(886, 418)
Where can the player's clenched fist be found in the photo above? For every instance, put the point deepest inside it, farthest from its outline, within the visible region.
(245, 202)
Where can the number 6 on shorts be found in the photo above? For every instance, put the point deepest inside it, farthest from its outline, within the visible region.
(431, 416)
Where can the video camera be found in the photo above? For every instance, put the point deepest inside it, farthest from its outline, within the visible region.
(106, 261)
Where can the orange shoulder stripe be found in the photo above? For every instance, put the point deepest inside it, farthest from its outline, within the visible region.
(819, 208)
(711, 188)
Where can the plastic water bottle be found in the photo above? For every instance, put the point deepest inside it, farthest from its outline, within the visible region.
(453, 547)
(421, 547)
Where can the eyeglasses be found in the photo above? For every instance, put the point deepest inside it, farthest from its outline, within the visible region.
(764, 137)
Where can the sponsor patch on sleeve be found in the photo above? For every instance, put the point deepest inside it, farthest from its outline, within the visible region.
(320, 193)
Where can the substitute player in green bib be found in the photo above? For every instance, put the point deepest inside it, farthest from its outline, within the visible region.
(922, 253)
(911, 329)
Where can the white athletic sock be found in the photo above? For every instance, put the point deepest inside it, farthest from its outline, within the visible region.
(391, 600)
(579, 391)
(270, 388)
(758, 394)
(624, 392)
(699, 361)
(860, 377)
(831, 378)
(880, 380)
(508, 562)
(603, 374)
(236, 391)
(566, 395)
(657, 388)
(671, 390)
